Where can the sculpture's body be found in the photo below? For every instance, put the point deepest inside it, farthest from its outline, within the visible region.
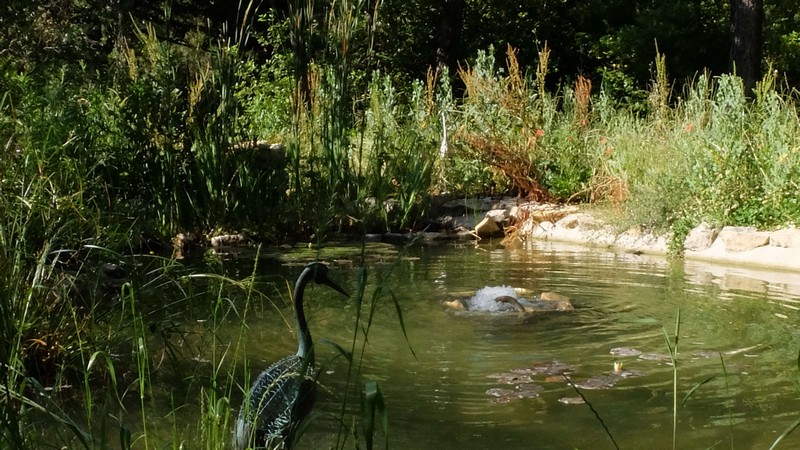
(283, 394)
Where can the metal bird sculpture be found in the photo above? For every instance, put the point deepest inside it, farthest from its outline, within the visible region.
(283, 394)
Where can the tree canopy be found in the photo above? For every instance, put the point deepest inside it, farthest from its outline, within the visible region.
(610, 40)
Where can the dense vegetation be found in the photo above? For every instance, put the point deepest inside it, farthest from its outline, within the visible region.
(124, 124)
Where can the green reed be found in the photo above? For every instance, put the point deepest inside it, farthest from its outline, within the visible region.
(672, 347)
(373, 410)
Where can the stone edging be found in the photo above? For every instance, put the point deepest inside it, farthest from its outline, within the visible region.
(564, 223)
(739, 245)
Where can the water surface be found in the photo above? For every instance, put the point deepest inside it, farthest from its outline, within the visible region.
(735, 322)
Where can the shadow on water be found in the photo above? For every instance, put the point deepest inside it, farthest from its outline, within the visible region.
(497, 380)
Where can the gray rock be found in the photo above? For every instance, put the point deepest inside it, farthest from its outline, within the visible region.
(742, 239)
(490, 203)
(487, 228)
(788, 237)
(498, 215)
(701, 237)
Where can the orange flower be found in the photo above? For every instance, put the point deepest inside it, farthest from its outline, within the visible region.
(540, 133)
(689, 127)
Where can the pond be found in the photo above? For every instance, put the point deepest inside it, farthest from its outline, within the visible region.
(499, 380)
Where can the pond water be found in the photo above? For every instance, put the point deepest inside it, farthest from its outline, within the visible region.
(478, 381)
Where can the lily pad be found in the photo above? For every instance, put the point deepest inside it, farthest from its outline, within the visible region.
(602, 381)
(572, 400)
(654, 357)
(511, 378)
(502, 395)
(625, 351)
(551, 368)
(608, 380)
(529, 390)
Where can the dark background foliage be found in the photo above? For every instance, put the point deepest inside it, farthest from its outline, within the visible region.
(613, 40)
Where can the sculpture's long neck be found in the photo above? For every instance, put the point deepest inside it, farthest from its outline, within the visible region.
(305, 346)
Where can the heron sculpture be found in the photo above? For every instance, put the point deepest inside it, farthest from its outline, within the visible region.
(283, 394)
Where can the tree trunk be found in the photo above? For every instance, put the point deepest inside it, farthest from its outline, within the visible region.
(747, 17)
(448, 36)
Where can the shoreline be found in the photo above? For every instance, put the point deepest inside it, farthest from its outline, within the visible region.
(740, 246)
(517, 222)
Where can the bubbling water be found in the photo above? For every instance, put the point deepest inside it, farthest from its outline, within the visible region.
(484, 299)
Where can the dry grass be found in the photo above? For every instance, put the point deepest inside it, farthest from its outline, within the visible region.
(608, 187)
(583, 92)
(512, 163)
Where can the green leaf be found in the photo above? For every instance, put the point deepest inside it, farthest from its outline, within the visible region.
(402, 323)
(372, 403)
(695, 387)
(339, 348)
(785, 433)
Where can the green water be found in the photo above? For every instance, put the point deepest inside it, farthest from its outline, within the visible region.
(438, 398)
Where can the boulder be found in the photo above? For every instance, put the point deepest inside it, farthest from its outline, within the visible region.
(487, 228)
(701, 237)
(742, 239)
(786, 238)
(541, 230)
(498, 215)
(556, 301)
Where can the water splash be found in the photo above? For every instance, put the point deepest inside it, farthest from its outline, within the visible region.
(484, 299)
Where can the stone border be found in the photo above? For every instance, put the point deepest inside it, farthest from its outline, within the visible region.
(519, 220)
(737, 245)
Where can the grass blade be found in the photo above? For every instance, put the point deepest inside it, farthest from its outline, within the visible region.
(696, 386)
(785, 433)
(400, 319)
(596, 414)
(372, 403)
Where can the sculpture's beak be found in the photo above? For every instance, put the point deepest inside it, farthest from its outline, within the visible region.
(335, 286)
